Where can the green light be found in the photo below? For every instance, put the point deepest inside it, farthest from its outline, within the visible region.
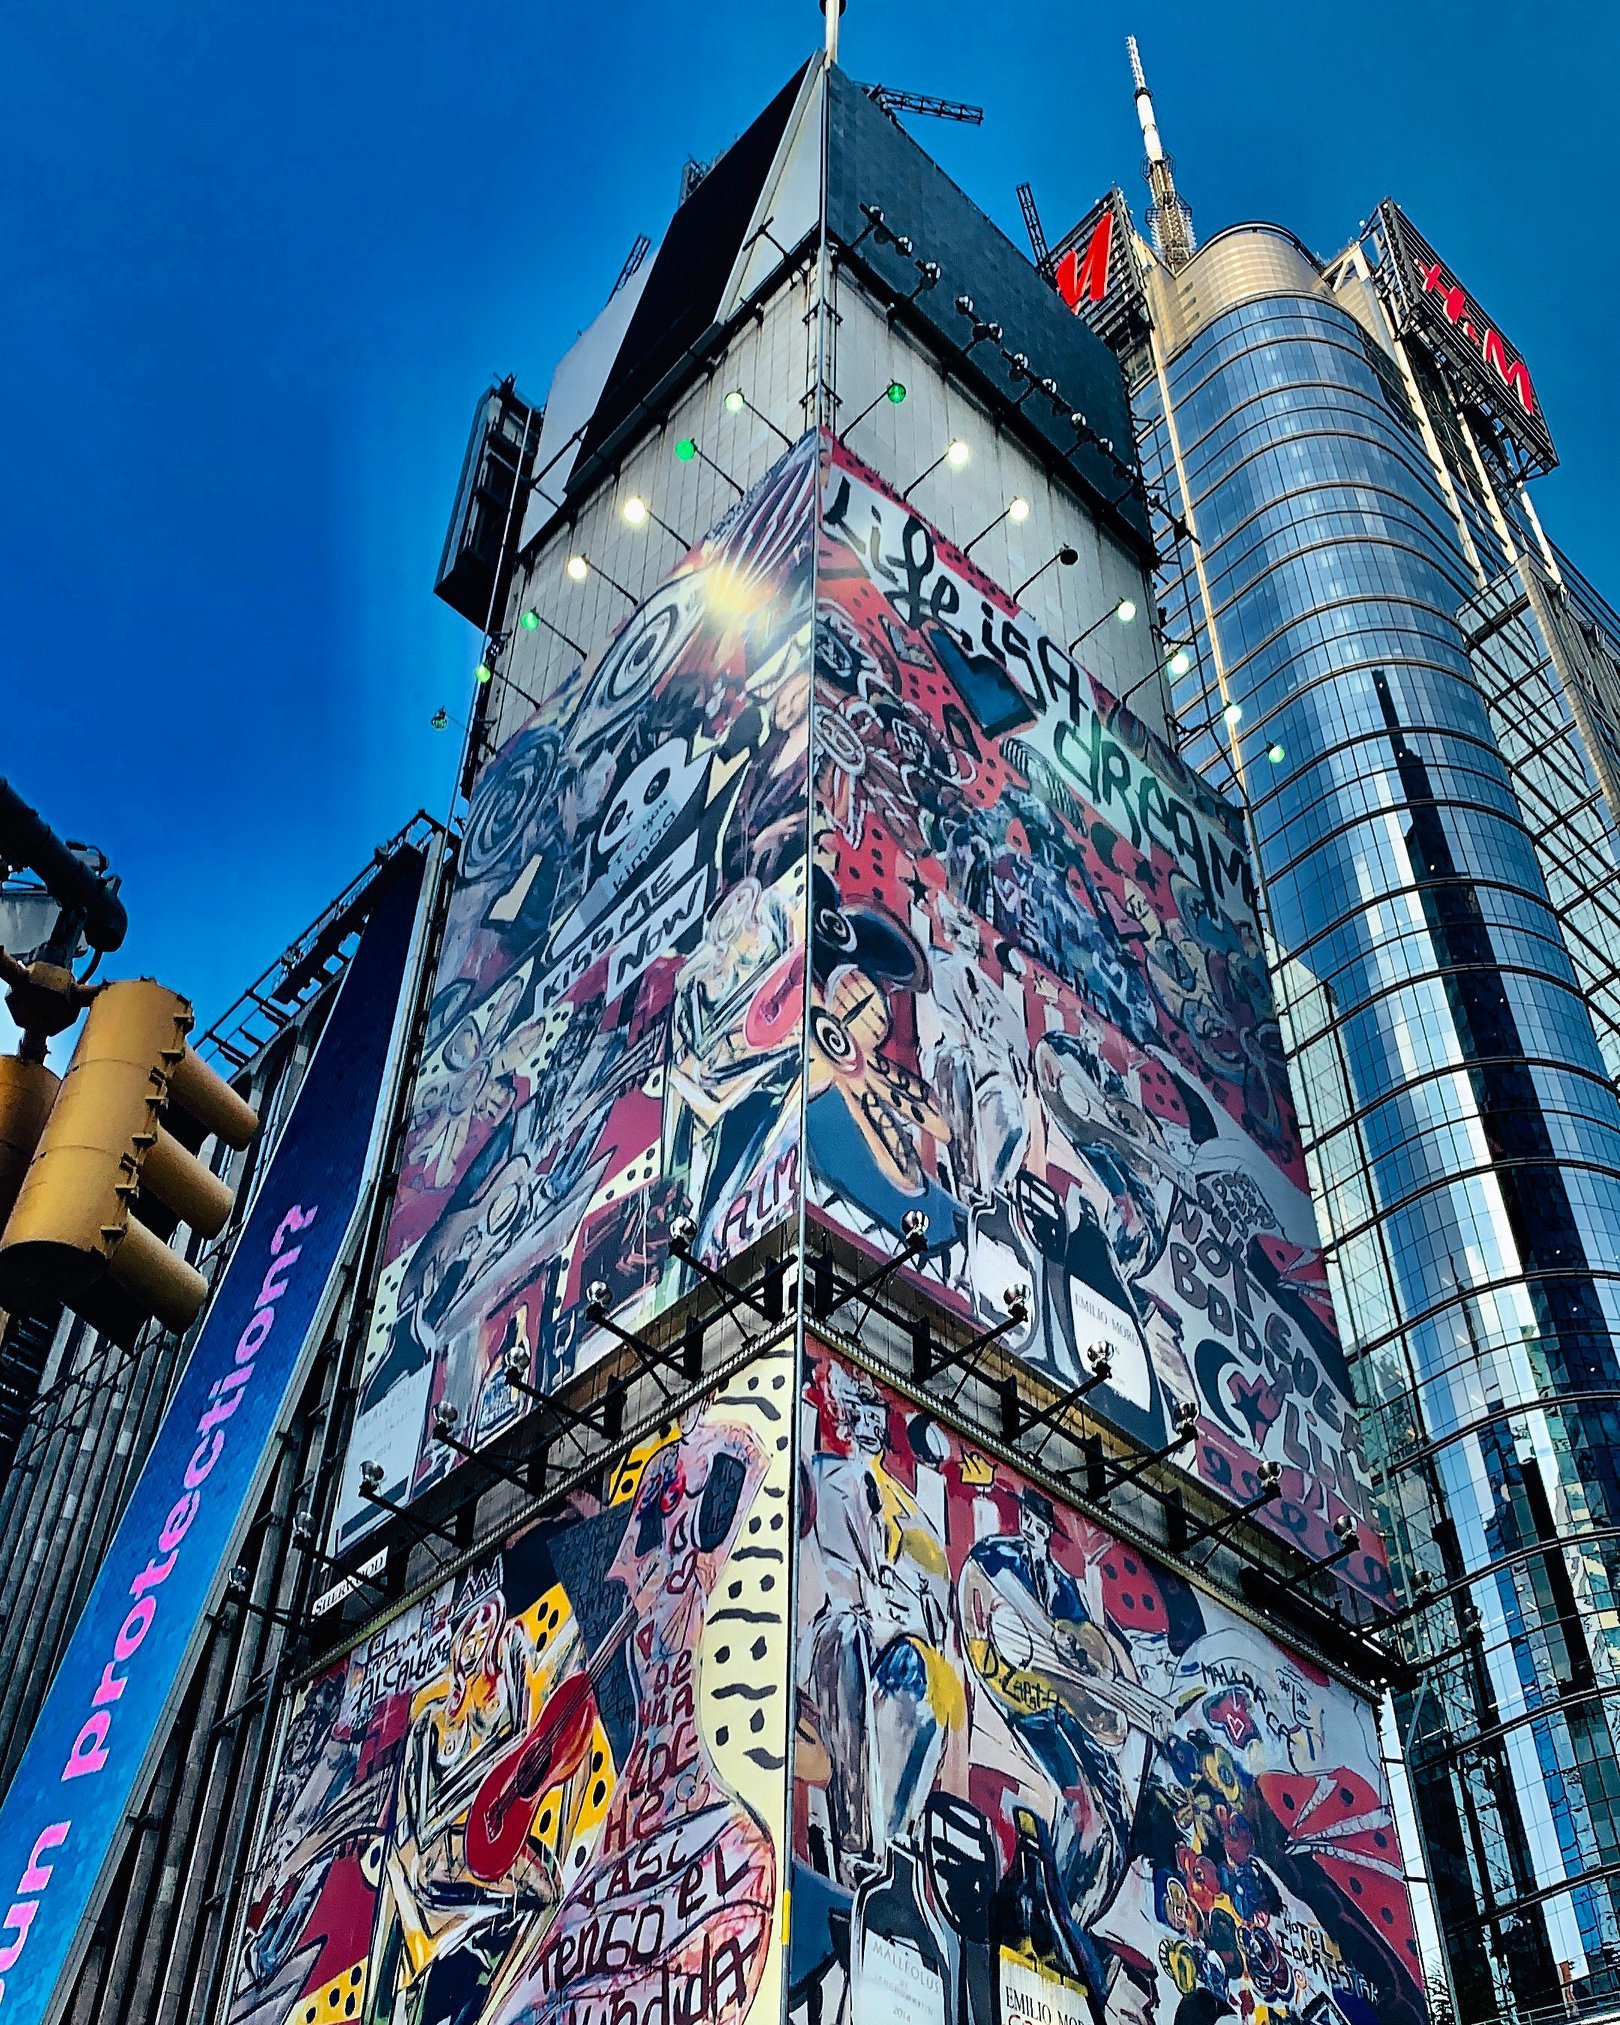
(1275, 754)
(440, 718)
(686, 449)
(897, 393)
(734, 402)
(483, 672)
(529, 621)
(1180, 661)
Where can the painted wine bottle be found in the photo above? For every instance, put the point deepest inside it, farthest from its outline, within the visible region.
(1041, 1978)
(903, 1969)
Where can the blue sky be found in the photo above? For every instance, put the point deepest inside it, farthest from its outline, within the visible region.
(260, 262)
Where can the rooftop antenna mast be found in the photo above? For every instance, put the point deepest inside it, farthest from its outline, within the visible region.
(1169, 220)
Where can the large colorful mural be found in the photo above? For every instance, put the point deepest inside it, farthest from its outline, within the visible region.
(616, 1035)
(1037, 1778)
(1040, 1014)
(555, 1791)
(1017, 980)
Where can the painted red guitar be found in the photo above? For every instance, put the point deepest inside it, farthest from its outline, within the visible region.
(504, 1807)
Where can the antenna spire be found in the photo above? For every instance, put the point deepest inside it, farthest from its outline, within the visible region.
(1169, 220)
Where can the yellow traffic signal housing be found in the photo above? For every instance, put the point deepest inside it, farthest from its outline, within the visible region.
(104, 1149)
(27, 1092)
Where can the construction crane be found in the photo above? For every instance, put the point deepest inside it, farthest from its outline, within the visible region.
(1169, 220)
(892, 102)
(1040, 252)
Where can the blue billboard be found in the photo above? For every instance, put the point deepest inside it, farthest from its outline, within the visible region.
(61, 1822)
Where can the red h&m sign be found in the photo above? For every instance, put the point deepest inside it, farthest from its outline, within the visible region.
(1082, 276)
(1460, 311)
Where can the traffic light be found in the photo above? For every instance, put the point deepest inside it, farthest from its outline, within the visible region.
(27, 1091)
(104, 1153)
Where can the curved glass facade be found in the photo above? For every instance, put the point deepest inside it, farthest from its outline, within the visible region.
(1465, 1138)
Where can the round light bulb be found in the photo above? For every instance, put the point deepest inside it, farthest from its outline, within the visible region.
(439, 719)
(529, 621)
(958, 454)
(483, 672)
(896, 392)
(734, 403)
(686, 449)
(578, 568)
(1233, 713)
(634, 510)
(1018, 509)
(1274, 753)
(1180, 661)
(1125, 611)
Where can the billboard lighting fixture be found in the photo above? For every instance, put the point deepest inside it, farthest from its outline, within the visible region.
(1180, 661)
(579, 567)
(1233, 713)
(446, 1417)
(531, 618)
(1123, 609)
(1349, 1539)
(238, 1590)
(1268, 1478)
(372, 1478)
(828, 1294)
(736, 401)
(483, 674)
(893, 392)
(688, 451)
(635, 512)
(598, 1307)
(1102, 1482)
(1016, 508)
(1019, 1422)
(1068, 555)
(683, 1232)
(873, 214)
(441, 720)
(306, 1538)
(956, 453)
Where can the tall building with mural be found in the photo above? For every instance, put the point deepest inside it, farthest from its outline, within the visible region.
(1413, 694)
(841, 1498)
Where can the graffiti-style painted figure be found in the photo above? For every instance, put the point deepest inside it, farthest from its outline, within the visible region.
(874, 1682)
(444, 1931)
(682, 1910)
(1067, 1690)
(739, 1003)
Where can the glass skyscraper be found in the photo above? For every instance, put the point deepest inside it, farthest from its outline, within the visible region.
(1376, 649)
